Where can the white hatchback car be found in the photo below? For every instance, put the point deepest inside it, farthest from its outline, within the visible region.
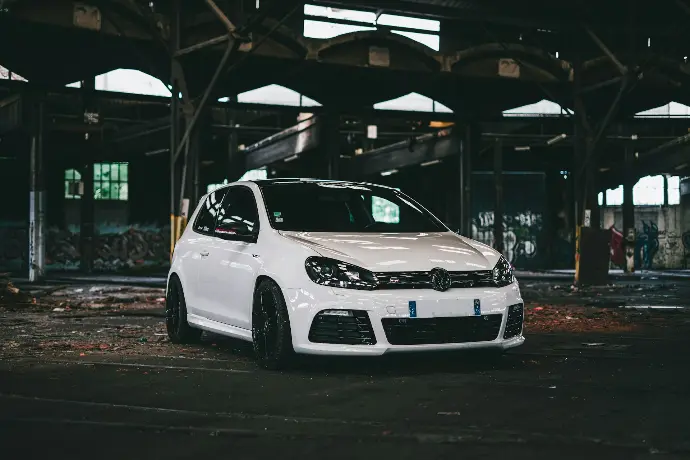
(297, 265)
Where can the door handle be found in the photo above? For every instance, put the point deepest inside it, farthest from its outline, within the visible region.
(203, 253)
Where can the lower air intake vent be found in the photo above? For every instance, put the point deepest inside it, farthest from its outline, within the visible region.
(344, 327)
(420, 331)
(516, 316)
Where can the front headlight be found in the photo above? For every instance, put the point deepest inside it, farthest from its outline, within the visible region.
(502, 274)
(334, 273)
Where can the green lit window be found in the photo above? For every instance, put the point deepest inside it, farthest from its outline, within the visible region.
(72, 179)
(110, 181)
(384, 211)
(212, 187)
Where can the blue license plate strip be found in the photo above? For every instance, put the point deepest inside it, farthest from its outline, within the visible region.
(413, 308)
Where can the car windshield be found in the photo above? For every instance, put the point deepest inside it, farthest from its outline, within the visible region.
(344, 207)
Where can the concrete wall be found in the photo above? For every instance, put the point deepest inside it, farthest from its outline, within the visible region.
(524, 208)
(659, 234)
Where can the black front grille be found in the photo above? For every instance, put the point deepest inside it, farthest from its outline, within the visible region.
(419, 331)
(422, 280)
(345, 330)
(516, 316)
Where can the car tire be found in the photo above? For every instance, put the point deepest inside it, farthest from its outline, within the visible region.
(271, 333)
(179, 330)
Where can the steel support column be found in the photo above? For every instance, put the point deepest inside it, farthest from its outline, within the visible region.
(498, 203)
(234, 167)
(665, 189)
(629, 236)
(556, 198)
(174, 121)
(331, 145)
(174, 139)
(87, 232)
(190, 144)
(585, 169)
(591, 191)
(87, 228)
(193, 163)
(37, 243)
(470, 143)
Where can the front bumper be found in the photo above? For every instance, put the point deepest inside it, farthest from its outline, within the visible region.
(393, 306)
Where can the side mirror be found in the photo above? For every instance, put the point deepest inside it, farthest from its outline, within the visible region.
(234, 231)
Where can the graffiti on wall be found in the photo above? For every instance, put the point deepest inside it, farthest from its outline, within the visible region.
(656, 241)
(520, 233)
(617, 247)
(646, 245)
(115, 247)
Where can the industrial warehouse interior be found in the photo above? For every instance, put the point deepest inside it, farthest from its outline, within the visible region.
(465, 229)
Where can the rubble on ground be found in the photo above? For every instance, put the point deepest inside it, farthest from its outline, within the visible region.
(612, 296)
(88, 320)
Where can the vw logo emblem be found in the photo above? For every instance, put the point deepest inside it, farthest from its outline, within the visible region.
(440, 279)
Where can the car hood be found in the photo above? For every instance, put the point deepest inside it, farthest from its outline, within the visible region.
(399, 252)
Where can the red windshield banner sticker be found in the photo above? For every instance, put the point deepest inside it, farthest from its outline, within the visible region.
(225, 231)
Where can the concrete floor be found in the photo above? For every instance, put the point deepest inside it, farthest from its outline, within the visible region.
(98, 378)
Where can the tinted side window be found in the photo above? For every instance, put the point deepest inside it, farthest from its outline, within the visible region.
(239, 206)
(206, 220)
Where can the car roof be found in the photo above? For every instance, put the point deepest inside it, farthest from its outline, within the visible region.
(289, 180)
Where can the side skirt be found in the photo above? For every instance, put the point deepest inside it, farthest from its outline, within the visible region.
(219, 328)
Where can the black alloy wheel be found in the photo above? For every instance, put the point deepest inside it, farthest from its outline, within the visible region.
(271, 334)
(179, 330)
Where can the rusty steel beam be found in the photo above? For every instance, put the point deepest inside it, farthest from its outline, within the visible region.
(296, 140)
(202, 45)
(621, 68)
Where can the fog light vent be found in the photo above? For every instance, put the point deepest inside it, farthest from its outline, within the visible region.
(345, 327)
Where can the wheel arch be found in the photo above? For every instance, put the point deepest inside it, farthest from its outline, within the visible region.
(171, 276)
(265, 277)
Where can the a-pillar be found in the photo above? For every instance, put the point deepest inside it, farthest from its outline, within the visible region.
(629, 236)
(37, 224)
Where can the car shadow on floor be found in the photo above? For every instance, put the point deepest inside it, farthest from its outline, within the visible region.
(405, 364)
(413, 363)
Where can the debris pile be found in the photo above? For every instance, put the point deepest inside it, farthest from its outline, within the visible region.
(10, 295)
(578, 319)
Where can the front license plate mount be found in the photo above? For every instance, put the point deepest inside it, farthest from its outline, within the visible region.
(412, 304)
(443, 308)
